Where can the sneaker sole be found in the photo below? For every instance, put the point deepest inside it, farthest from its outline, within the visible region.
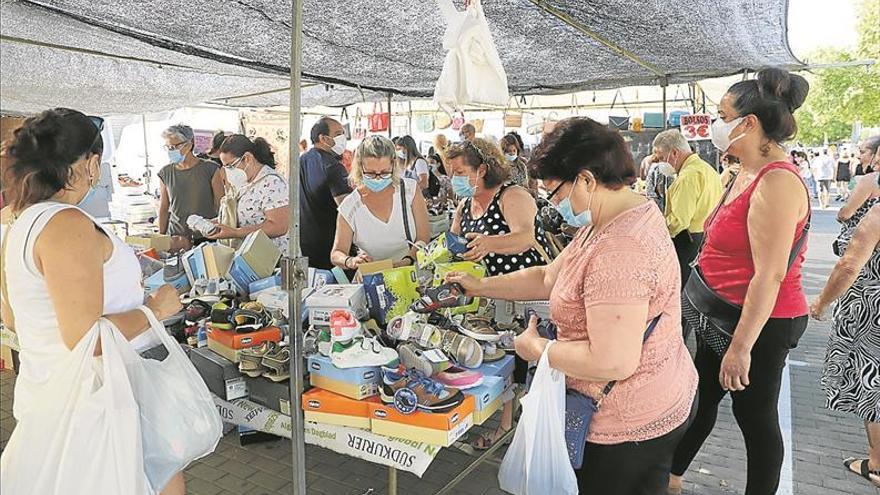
(408, 357)
(389, 400)
(465, 387)
(480, 337)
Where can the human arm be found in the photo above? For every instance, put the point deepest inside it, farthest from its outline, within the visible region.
(164, 205)
(777, 205)
(519, 210)
(275, 225)
(860, 249)
(531, 284)
(342, 246)
(681, 203)
(70, 253)
(422, 170)
(218, 187)
(337, 181)
(866, 188)
(455, 228)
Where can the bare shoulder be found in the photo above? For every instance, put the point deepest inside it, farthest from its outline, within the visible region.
(516, 195)
(69, 228)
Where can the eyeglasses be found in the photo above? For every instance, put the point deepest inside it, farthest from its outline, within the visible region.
(169, 147)
(376, 175)
(234, 162)
(555, 190)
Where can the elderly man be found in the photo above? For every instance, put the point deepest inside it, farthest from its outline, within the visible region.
(691, 198)
(323, 186)
(468, 132)
(189, 185)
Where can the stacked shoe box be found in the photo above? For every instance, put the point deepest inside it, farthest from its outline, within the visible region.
(502, 368)
(487, 397)
(220, 374)
(354, 383)
(229, 343)
(255, 259)
(441, 429)
(323, 406)
(324, 300)
(267, 393)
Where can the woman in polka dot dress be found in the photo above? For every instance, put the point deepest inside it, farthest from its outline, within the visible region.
(500, 221)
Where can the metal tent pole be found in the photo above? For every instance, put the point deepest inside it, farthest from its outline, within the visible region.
(665, 123)
(390, 116)
(409, 123)
(295, 266)
(147, 173)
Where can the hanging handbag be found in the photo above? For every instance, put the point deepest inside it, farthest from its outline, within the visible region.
(712, 317)
(442, 120)
(458, 121)
(379, 121)
(346, 125)
(425, 123)
(580, 408)
(360, 132)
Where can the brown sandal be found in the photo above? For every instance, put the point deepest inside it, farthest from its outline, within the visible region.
(486, 440)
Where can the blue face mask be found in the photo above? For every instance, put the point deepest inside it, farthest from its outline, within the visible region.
(461, 186)
(511, 157)
(175, 156)
(89, 195)
(580, 220)
(377, 185)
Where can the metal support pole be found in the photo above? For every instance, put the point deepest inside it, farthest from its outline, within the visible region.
(390, 116)
(409, 123)
(147, 172)
(392, 481)
(665, 123)
(295, 267)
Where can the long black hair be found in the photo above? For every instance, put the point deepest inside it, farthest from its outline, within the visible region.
(239, 144)
(412, 151)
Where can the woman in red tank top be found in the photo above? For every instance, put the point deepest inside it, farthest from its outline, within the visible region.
(745, 260)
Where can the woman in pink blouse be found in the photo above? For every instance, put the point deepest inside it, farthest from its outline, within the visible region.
(618, 274)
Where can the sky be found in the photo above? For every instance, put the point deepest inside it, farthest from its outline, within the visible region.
(821, 23)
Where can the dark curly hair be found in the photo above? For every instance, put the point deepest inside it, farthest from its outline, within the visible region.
(43, 151)
(239, 144)
(482, 152)
(772, 97)
(581, 143)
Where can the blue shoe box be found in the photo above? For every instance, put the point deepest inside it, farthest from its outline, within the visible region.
(242, 274)
(488, 392)
(502, 368)
(322, 366)
(156, 280)
(273, 282)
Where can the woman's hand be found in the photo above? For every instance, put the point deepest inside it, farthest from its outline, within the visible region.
(225, 232)
(818, 310)
(164, 302)
(735, 366)
(472, 286)
(355, 261)
(529, 345)
(479, 247)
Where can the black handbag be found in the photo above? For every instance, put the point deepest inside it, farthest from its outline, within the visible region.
(713, 318)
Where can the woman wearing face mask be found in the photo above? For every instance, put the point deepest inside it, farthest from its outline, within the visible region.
(413, 165)
(374, 217)
(263, 201)
(618, 274)
(63, 271)
(519, 174)
(865, 195)
(439, 203)
(752, 258)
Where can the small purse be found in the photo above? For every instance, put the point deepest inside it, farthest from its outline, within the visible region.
(580, 408)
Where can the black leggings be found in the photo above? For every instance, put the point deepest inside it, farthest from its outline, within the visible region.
(754, 408)
(631, 468)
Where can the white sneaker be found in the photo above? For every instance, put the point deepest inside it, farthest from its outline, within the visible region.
(362, 352)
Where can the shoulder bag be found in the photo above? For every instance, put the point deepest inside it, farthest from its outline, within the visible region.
(711, 316)
(228, 211)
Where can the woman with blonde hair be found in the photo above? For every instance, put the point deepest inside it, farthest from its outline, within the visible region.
(383, 217)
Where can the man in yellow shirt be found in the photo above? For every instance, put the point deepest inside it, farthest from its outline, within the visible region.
(691, 198)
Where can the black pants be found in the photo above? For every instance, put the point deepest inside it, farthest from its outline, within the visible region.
(631, 468)
(754, 408)
(687, 246)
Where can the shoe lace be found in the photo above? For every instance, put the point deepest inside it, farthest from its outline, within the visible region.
(431, 386)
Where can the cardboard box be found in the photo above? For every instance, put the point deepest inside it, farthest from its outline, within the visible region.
(321, 406)
(328, 298)
(323, 366)
(320, 278)
(373, 267)
(487, 393)
(350, 390)
(468, 267)
(237, 341)
(390, 293)
(272, 282)
(503, 367)
(242, 275)
(218, 259)
(158, 242)
(433, 428)
(490, 409)
(260, 253)
(156, 280)
(274, 395)
(220, 374)
(194, 264)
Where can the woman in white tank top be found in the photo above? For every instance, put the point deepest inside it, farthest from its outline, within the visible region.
(63, 271)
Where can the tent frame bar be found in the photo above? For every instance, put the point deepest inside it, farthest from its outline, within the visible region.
(562, 16)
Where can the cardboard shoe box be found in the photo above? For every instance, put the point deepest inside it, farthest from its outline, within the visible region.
(323, 366)
(487, 393)
(432, 428)
(322, 406)
(328, 298)
(229, 343)
(503, 367)
(220, 374)
(158, 242)
(260, 254)
(350, 390)
(484, 414)
(274, 395)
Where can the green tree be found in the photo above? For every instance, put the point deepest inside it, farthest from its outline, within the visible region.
(841, 96)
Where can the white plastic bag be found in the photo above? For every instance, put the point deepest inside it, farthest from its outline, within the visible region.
(179, 421)
(472, 71)
(78, 433)
(537, 460)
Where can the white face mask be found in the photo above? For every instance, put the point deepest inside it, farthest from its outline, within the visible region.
(721, 131)
(339, 144)
(236, 177)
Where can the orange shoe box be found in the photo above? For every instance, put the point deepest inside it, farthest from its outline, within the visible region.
(233, 340)
(350, 390)
(322, 406)
(431, 428)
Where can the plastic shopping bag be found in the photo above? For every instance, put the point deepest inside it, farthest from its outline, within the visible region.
(78, 432)
(179, 421)
(537, 460)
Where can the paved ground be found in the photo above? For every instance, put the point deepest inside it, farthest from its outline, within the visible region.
(820, 438)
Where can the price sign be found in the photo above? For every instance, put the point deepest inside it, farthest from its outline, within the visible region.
(696, 127)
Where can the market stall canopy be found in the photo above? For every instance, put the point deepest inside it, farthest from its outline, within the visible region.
(155, 54)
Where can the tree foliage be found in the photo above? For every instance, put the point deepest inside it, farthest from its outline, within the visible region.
(841, 96)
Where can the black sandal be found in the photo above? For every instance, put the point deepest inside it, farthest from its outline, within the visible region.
(486, 440)
(863, 471)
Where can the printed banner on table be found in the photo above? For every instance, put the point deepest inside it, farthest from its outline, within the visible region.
(8, 338)
(696, 127)
(413, 457)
